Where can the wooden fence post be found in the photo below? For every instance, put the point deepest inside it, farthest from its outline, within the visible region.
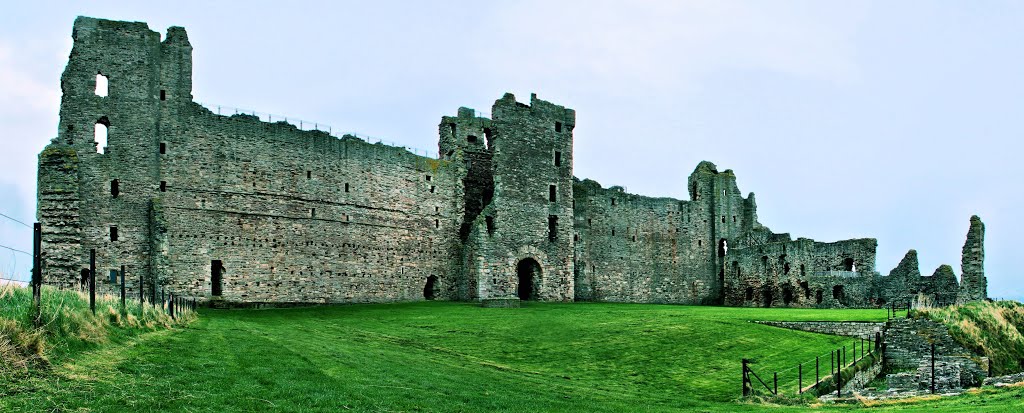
(37, 273)
(122, 287)
(92, 281)
(746, 379)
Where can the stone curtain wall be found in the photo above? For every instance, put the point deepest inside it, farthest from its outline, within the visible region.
(300, 216)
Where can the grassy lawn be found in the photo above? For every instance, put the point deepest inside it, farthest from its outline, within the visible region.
(437, 356)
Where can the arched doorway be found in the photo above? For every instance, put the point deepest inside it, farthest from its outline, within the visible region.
(528, 272)
(430, 289)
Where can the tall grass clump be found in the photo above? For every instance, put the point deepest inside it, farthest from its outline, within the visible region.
(67, 326)
(989, 328)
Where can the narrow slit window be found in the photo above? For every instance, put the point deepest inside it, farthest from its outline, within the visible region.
(115, 188)
(437, 223)
(163, 94)
(552, 193)
(346, 186)
(558, 158)
(113, 233)
(452, 127)
(489, 220)
(613, 201)
(552, 227)
(102, 85)
(312, 212)
(163, 186)
(309, 174)
(432, 189)
(558, 126)
(163, 148)
(471, 138)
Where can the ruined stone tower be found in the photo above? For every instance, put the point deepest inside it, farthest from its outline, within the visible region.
(973, 284)
(521, 244)
(238, 209)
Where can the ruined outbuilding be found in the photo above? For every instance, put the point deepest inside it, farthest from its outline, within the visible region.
(236, 209)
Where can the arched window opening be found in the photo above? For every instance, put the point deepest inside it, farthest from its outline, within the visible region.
(803, 270)
(817, 297)
(102, 85)
(749, 294)
(848, 265)
(115, 188)
(723, 247)
(769, 298)
(100, 134)
(787, 294)
(807, 289)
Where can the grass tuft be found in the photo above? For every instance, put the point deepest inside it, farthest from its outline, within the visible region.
(66, 326)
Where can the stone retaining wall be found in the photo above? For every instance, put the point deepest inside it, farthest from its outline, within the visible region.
(863, 330)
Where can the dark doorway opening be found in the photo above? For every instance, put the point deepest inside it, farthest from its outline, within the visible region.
(430, 289)
(787, 294)
(528, 271)
(769, 298)
(817, 297)
(216, 278)
(749, 294)
(839, 294)
(807, 289)
(723, 247)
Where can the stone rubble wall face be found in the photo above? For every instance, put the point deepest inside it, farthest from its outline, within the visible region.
(270, 202)
(839, 328)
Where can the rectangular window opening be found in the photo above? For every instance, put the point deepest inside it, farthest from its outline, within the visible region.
(552, 227)
(163, 186)
(346, 186)
(558, 126)
(552, 193)
(437, 223)
(431, 189)
(490, 224)
(115, 188)
(163, 94)
(312, 212)
(113, 276)
(558, 158)
(163, 148)
(613, 201)
(113, 233)
(309, 174)
(428, 178)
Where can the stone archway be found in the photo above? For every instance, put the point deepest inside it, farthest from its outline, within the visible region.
(528, 273)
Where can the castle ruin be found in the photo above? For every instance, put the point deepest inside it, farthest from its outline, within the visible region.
(236, 209)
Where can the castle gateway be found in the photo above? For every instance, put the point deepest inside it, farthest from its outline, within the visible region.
(238, 209)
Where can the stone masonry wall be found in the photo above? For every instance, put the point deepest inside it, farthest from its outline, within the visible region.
(192, 202)
(865, 330)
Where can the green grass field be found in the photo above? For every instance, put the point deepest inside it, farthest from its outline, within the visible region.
(437, 356)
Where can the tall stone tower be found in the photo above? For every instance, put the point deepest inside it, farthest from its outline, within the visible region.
(973, 284)
(521, 244)
(98, 178)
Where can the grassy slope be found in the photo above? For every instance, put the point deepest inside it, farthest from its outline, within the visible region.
(444, 357)
(67, 327)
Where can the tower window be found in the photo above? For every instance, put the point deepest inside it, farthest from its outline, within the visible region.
(312, 212)
(432, 189)
(558, 126)
(613, 201)
(723, 219)
(309, 174)
(163, 148)
(113, 233)
(552, 227)
(100, 134)
(163, 94)
(489, 220)
(102, 85)
(428, 178)
(552, 193)
(437, 223)
(163, 186)
(558, 158)
(452, 127)
(471, 138)
(346, 186)
(115, 188)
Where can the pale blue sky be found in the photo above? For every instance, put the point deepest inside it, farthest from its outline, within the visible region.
(893, 120)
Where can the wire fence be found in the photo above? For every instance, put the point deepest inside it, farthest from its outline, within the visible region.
(306, 125)
(838, 362)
